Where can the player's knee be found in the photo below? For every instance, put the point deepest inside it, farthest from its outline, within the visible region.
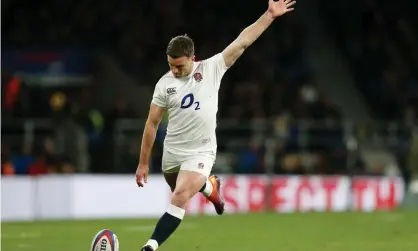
(180, 197)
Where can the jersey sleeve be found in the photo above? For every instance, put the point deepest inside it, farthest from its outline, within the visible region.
(159, 97)
(218, 67)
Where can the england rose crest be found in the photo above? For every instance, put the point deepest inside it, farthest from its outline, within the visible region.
(197, 76)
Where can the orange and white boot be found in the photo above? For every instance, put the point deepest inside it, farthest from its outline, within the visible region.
(215, 196)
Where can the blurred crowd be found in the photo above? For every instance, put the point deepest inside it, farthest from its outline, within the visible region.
(137, 33)
(35, 160)
(379, 38)
(380, 42)
(271, 82)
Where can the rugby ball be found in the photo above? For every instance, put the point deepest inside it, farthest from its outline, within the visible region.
(105, 240)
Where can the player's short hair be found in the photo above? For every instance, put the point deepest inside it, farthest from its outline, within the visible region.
(180, 46)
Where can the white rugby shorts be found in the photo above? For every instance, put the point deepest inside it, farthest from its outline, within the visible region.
(173, 163)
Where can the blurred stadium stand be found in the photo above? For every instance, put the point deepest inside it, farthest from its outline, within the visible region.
(330, 90)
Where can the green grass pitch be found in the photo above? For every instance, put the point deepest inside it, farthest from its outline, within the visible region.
(384, 231)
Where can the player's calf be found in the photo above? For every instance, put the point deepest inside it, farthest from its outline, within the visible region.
(170, 220)
(188, 185)
(167, 224)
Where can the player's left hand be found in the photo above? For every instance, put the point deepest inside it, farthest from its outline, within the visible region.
(279, 8)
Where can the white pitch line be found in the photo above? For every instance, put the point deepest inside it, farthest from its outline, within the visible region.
(22, 235)
(24, 246)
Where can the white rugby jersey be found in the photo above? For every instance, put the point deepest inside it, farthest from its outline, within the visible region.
(192, 104)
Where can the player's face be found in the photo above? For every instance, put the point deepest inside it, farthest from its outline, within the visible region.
(180, 67)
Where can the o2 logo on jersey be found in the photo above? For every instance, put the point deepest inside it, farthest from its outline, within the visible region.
(188, 101)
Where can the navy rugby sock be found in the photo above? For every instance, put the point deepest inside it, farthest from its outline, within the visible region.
(167, 224)
(203, 188)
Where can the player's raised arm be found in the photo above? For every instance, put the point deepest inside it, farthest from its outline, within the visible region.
(151, 126)
(252, 32)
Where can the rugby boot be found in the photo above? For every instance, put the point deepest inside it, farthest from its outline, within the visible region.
(216, 197)
(147, 248)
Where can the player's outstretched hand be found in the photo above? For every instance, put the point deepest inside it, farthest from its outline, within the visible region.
(281, 7)
(141, 175)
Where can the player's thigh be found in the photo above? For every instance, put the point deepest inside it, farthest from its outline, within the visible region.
(171, 166)
(193, 174)
(189, 183)
(171, 179)
(171, 163)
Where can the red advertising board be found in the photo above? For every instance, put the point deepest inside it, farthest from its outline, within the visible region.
(244, 194)
(75, 197)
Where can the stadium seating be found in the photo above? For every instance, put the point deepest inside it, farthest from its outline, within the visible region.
(379, 40)
(272, 82)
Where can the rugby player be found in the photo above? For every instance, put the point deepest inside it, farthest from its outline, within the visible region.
(189, 93)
